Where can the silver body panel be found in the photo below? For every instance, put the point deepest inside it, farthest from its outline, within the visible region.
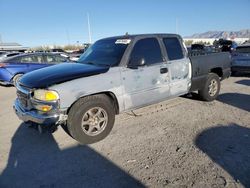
(133, 88)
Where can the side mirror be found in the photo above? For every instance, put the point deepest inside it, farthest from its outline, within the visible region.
(136, 62)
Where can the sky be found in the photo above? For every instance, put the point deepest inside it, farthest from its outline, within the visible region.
(60, 22)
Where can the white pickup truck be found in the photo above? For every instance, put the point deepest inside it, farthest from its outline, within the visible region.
(114, 75)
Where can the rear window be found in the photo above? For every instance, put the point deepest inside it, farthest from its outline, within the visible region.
(243, 49)
(174, 49)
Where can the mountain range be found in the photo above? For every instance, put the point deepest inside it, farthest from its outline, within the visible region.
(244, 33)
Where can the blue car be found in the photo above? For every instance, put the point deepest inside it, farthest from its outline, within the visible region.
(11, 69)
(241, 59)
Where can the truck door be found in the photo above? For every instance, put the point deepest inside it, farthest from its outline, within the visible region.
(146, 79)
(179, 66)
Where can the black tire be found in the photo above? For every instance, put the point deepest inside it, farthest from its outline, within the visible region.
(205, 93)
(16, 78)
(79, 110)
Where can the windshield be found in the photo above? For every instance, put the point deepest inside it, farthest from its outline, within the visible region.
(106, 52)
(245, 49)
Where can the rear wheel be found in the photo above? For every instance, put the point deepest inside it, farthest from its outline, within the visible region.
(91, 119)
(211, 89)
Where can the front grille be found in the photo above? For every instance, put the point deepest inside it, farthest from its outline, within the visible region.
(23, 98)
(23, 95)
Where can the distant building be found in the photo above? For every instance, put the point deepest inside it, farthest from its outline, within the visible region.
(211, 40)
(12, 47)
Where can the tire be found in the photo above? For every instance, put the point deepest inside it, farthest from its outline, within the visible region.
(16, 78)
(211, 89)
(91, 119)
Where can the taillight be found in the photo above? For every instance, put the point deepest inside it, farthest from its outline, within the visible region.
(2, 64)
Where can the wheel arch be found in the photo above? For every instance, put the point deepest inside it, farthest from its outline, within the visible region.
(16, 73)
(14, 76)
(109, 94)
(218, 71)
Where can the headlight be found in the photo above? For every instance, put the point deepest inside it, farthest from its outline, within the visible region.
(46, 95)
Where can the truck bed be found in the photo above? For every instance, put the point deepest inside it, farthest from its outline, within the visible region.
(202, 65)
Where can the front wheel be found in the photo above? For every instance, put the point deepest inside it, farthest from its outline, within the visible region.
(211, 89)
(91, 119)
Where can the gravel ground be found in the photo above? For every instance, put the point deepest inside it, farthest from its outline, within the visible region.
(178, 143)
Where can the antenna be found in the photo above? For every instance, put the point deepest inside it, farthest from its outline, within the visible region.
(90, 39)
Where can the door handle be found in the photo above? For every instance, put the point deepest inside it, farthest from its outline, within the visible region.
(164, 70)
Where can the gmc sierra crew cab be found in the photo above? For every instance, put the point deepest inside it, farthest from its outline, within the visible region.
(114, 75)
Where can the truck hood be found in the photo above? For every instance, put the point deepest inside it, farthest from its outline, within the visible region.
(57, 74)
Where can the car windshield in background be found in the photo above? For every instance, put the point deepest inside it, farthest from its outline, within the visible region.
(243, 49)
(106, 52)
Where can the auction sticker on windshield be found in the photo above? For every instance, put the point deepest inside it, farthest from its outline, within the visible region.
(123, 41)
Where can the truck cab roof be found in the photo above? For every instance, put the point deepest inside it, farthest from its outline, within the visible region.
(161, 35)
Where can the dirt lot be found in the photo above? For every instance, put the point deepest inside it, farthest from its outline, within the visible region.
(179, 143)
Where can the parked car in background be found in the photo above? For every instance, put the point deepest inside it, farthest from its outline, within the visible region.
(225, 45)
(241, 59)
(74, 56)
(58, 50)
(12, 68)
(197, 47)
(201, 49)
(4, 55)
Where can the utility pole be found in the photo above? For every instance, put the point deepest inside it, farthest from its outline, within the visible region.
(1, 39)
(176, 26)
(68, 37)
(90, 38)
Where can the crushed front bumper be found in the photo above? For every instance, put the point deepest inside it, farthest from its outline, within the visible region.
(33, 116)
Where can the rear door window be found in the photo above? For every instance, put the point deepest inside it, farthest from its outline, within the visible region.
(54, 59)
(39, 59)
(32, 59)
(173, 48)
(50, 59)
(28, 59)
(60, 59)
(148, 49)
